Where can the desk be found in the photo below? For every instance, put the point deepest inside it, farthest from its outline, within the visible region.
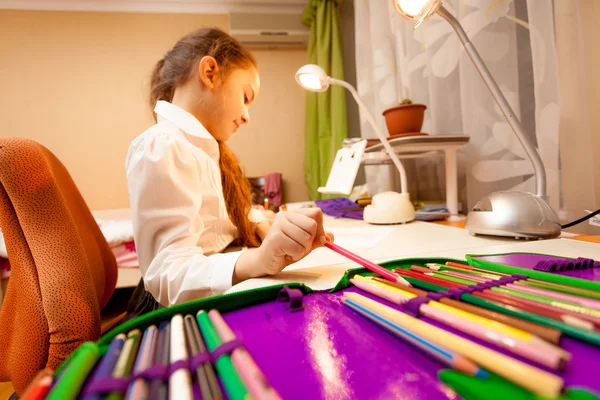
(323, 268)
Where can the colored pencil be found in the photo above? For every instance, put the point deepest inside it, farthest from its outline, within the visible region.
(106, 364)
(229, 377)
(521, 300)
(504, 336)
(39, 386)
(434, 349)
(559, 287)
(209, 387)
(572, 329)
(139, 388)
(556, 303)
(378, 269)
(251, 375)
(75, 373)
(561, 300)
(531, 378)
(551, 335)
(427, 278)
(584, 301)
(546, 310)
(126, 359)
(180, 382)
(158, 388)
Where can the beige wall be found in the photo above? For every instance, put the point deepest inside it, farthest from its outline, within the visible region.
(77, 83)
(274, 139)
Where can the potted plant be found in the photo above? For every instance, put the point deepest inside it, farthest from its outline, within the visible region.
(404, 118)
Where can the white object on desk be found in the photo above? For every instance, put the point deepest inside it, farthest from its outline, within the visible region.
(423, 147)
(345, 167)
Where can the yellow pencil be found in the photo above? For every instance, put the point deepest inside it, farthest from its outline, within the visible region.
(497, 326)
(531, 378)
(536, 348)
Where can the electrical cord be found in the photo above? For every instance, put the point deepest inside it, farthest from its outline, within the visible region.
(580, 220)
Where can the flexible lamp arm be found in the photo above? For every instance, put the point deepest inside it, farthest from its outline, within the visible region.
(382, 138)
(534, 157)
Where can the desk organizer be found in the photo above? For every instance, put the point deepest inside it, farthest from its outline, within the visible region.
(311, 345)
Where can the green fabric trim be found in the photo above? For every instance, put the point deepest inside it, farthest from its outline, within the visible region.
(546, 276)
(498, 388)
(222, 303)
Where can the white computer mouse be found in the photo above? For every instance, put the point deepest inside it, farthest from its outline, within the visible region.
(389, 208)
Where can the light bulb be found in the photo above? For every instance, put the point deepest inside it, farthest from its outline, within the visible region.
(310, 82)
(412, 7)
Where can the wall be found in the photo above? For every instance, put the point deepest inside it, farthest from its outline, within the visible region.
(77, 83)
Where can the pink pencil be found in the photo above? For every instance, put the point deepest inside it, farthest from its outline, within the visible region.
(253, 378)
(378, 269)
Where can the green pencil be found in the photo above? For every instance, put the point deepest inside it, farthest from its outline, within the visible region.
(553, 302)
(125, 361)
(231, 380)
(83, 361)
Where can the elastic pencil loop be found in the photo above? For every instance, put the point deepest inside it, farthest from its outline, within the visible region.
(199, 359)
(412, 307)
(155, 372)
(106, 385)
(437, 296)
(111, 384)
(456, 293)
(177, 365)
(293, 296)
(225, 348)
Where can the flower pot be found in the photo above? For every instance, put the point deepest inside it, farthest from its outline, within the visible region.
(404, 118)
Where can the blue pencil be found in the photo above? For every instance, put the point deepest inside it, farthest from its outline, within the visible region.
(106, 365)
(158, 388)
(453, 360)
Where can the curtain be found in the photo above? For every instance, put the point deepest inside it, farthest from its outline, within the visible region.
(577, 33)
(429, 65)
(326, 125)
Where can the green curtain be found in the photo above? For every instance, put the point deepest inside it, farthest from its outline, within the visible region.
(326, 125)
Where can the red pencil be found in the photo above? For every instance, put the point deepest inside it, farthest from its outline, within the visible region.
(428, 278)
(457, 265)
(378, 269)
(38, 388)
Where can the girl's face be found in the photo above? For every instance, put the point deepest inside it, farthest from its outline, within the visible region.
(231, 100)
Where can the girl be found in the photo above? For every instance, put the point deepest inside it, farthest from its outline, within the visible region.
(189, 196)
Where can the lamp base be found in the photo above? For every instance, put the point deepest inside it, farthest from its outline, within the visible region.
(389, 208)
(514, 214)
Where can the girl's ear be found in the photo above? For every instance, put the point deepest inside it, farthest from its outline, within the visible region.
(208, 71)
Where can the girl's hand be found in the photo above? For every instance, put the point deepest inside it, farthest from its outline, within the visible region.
(262, 228)
(292, 236)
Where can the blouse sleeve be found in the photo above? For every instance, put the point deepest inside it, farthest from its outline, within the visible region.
(165, 194)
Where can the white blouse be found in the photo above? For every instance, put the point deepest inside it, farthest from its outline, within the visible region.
(180, 220)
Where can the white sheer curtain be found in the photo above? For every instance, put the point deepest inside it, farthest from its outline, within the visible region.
(428, 65)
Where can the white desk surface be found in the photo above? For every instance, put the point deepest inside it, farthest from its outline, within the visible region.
(323, 268)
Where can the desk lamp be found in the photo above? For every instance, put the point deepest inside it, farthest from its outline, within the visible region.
(385, 207)
(506, 213)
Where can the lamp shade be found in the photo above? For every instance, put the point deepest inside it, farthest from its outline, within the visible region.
(312, 77)
(416, 10)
